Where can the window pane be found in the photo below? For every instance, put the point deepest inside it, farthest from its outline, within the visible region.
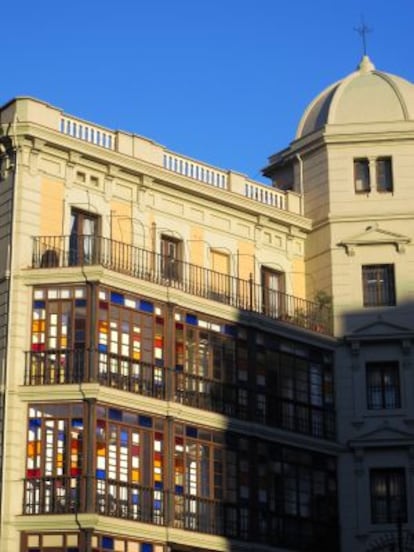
(378, 285)
(383, 385)
(361, 176)
(384, 174)
(388, 496)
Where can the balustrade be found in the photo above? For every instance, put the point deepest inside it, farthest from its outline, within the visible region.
(246, 295)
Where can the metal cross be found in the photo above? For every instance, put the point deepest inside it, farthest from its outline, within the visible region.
(363, 30)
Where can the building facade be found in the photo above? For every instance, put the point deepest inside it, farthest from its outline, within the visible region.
(191, 360)
(353, 161)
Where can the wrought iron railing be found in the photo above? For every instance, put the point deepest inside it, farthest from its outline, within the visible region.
(52, 495)
(130, 501)
(65, 251)
(108, 497)
(64, 366)
(63, 495)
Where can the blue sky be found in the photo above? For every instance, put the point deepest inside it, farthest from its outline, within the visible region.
(224, 81)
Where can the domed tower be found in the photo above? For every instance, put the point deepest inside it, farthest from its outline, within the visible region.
(352, 162)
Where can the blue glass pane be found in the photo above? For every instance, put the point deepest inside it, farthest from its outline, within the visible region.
(108, 542)
(146, 547)
(158, 485)
(230, 330)
(145, 421)
(117, 298)
(102, 348)
(179, 489)
(146, 306)
(191, 431)
(157, 504)
(179, 367)
(34, 423)
(101, 474)
(77, 422)
(80, 302)
(39, 304)
(191, 319)
(72, 549)
(115, 414)
(124, 437)
(135, 499)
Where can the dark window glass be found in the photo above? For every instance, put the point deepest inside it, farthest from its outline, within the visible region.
(388, 496)
(171, 258)
(83, 238)
(378, 285)
(273, 290)
(383, 385)
(384, 174)
(361, 176)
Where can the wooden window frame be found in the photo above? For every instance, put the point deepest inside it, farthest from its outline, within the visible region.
(83, 247)
(388, 493)
(384, 175)
(172, 252)
(362, 177)
(378, 285)
(273, 297)
(383, 385)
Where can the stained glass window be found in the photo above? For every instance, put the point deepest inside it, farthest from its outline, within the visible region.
(129, 464)
(54, 458)
(131, 343)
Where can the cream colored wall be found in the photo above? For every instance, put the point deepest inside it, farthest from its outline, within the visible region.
(246, 259)
(315, 184)
(196, 246)
(121, 222)
(135, 207)
(344, 201)
(51, 208)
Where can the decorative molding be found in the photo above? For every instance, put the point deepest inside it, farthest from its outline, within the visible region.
(374, 235)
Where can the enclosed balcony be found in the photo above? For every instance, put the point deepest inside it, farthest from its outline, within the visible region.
(309, 414)
(245, 294)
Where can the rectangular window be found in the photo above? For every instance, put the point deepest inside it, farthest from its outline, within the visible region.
(361, 176)
(273, 292)
(171, 258)
(384, 174)
(388, 495)
(383, 385)
(83, 238)
(378, 285)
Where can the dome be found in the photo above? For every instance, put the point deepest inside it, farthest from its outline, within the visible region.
(365, 96)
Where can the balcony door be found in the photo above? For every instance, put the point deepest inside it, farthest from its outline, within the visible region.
(273, 292)
(171, 258)
(83, 241)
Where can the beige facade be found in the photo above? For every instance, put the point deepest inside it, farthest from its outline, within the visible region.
(353, 159)
(167, 352)
(171, 247)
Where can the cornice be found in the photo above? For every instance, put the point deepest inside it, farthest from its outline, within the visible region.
(166, 179)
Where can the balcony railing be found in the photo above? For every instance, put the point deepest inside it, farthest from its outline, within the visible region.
(270, 525)
(63, 495)
(64, 366)
(65, 251)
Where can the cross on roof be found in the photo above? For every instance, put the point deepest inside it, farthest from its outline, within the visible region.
(363, 30)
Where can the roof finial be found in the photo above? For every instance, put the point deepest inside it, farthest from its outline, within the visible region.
(363, 30)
